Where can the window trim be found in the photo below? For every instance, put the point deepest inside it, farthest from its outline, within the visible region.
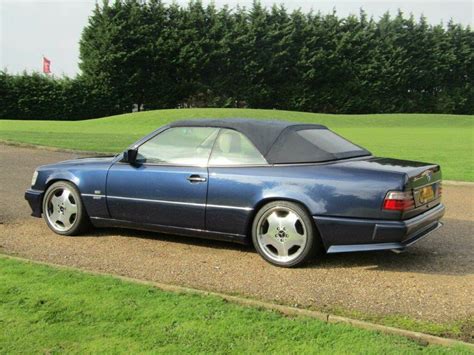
(137, 146)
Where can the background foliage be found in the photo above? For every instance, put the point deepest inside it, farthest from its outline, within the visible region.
(166, 56)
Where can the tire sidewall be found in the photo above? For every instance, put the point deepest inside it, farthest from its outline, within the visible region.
(309, 225)
(79, 222)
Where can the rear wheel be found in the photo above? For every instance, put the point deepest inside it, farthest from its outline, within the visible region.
(283, 234)
(63, 209)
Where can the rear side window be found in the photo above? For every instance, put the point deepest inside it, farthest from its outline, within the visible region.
(328, 141)
(179, 146)
(233, 148)
(312, 145)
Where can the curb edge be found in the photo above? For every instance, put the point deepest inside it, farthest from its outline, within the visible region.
(458, 183)
(51, 149)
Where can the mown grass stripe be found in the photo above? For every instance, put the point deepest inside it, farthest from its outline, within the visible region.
(444, 139)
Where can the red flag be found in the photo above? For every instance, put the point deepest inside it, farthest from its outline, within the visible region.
(46, 66)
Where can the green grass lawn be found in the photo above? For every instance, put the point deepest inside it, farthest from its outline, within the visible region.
(52, 310)
(444, 139)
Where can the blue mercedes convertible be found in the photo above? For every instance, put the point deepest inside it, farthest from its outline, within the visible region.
(292, 189)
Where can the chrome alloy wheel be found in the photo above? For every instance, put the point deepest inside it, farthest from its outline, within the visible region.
(61, 209)
(281, 234)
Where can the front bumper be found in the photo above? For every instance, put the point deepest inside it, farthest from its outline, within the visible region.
(35, 200)
(341, 235)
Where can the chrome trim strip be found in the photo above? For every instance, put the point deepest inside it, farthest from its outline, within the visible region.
(179, 203)
(231, 207)
(94, 196)
(203, 166)
(167, 165)
(363, 247)
(374, 233)
(155, 201)
(362, 157)
(440, 182)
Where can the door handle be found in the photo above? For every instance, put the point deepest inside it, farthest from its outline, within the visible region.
(196, 178)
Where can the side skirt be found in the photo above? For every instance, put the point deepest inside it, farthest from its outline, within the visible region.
(188, 232)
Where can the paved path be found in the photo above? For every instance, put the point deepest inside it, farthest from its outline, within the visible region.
(433, 280)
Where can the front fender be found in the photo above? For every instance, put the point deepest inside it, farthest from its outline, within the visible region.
(61, 175)
(91, 183)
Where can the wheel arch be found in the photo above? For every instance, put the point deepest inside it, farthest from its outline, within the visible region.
(54, 180)
(51, 181)
(267, 200)
(61, 176)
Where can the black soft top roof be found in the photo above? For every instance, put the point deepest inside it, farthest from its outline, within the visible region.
(262, 133)
(274, 139)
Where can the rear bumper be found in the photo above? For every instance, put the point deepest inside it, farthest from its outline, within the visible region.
(341, 235)
(35, 199)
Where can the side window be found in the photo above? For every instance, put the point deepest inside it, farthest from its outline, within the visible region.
(179, 146)
(233, 148)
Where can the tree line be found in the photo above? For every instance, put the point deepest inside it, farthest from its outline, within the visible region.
(153, 55)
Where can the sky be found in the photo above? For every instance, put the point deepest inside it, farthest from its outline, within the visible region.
(31, 29)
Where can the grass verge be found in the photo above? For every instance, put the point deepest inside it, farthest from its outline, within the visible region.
(46, 309)
(444, 139)
(459, 329)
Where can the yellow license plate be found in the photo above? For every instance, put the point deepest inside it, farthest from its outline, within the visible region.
(427, 194)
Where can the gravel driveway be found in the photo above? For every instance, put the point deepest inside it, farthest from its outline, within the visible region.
(433, 280)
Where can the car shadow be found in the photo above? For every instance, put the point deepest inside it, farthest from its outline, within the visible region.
(171, 238)
(448, 251)
(415, 260)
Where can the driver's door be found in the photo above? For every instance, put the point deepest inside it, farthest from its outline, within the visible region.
(168, 185)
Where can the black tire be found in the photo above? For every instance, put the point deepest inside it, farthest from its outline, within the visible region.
(64, 196)
(265, 241)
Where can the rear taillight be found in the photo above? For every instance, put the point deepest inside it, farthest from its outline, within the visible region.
(399, 201)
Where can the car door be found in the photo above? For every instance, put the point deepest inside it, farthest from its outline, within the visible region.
(168, 184)
(236, 172)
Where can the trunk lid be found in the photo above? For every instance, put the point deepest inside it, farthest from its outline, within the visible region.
(421, 179)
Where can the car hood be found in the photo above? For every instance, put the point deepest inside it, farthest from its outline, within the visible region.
(80, 162)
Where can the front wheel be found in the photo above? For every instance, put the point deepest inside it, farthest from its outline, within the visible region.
(283, 234)
(63, 210)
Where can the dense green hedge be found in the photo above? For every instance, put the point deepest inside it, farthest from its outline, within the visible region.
(40, 97)
(164, 56)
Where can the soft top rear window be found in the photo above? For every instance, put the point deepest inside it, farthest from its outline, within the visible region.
(313, 145)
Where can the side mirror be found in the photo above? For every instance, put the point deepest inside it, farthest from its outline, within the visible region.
(130, 156)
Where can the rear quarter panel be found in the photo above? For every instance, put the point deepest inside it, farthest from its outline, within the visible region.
(324, 189)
